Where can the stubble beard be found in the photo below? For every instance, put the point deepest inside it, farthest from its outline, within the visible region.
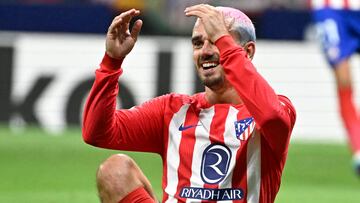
(213, 82)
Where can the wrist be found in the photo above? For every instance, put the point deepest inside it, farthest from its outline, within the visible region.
(111, 55)
(110, 63)
(218, 36)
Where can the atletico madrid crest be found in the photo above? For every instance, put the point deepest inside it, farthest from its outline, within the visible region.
(244, 128)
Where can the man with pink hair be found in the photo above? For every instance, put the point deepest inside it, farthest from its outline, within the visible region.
(228, 143)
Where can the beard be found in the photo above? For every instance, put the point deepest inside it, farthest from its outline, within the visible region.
(213, 82)
(213, 79)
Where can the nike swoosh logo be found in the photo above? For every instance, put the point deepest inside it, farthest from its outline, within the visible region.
(182, 127)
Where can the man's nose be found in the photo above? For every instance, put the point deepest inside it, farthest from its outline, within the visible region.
(208, 48)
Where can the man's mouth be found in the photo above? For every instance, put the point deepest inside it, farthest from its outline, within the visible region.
(209, 65)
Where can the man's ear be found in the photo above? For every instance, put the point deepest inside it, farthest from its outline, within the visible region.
(250, 49)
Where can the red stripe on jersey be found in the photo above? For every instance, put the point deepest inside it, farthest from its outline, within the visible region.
(308, 4)
(240, 173)
(186, 150)
(217, 129)
(327, 3)
(334, 4)
(217, 126)
(239, 179)
(167, 119)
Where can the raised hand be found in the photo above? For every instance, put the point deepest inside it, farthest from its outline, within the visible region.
(212, 19)
(119, 39)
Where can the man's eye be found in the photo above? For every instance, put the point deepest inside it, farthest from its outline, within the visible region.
(197, 45)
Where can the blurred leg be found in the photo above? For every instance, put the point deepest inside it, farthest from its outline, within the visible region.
(356, 162)
(119, 177)
(348, 109)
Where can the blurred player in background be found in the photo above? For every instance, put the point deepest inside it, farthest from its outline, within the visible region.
(229, 142)
(338, 23)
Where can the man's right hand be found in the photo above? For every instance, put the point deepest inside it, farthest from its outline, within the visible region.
(119, 39)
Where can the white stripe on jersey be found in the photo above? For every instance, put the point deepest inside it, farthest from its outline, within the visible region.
(335, 4)
(172, 152)
(233, 143)
(355, 5)
(205, 118)
(254, 167)
(317, 4)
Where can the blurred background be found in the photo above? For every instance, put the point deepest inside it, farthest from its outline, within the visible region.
(49, 50)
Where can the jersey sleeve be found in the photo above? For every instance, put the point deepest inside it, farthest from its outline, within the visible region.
(275, 115)
(135, 129)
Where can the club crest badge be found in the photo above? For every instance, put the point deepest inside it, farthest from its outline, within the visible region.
(244, 128)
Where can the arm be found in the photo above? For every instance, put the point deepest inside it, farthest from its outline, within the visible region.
(136, 129)
(103, 125)
(274, 114)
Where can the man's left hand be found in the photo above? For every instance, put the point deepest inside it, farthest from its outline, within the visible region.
(212, 19)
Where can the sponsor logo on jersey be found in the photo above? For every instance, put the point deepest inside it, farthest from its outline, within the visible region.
(212, 194)
(242, 129)
(215, 163)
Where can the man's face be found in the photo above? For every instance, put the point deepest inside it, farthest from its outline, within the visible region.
(206, 58)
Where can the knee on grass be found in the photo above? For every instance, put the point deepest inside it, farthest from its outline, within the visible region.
(116, 177)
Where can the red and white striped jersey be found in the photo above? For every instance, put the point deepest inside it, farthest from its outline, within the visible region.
(210, 152)
(335, 4)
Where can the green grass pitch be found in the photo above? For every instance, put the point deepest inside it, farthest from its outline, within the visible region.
(38, 167)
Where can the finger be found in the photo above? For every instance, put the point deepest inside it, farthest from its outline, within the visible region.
(200, 11)
(121, 22)
(136, 29)
(196, 13)
(115, 25)
(128, 15)
(230, 23)
(205, 8)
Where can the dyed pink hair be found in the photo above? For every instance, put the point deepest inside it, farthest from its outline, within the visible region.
(241, 23)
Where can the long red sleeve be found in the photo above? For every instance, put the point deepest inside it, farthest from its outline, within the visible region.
(104, 126)
(274, 114)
